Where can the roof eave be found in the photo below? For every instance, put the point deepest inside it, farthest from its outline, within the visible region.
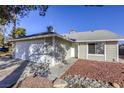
(38, 37)
(100, 40)
(30, 38)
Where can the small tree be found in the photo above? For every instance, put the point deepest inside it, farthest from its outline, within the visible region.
(19, 32)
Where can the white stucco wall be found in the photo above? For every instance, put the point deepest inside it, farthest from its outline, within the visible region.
(62, 49)
(42, 50)
(33, 50)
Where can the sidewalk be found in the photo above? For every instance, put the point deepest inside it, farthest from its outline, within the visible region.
(58, 70)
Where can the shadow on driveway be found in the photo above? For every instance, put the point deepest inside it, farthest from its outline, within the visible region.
(6, 62)
(5, 58)
(11, 79)
(7, 65)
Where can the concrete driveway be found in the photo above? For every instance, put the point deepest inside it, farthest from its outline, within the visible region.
(10, 71)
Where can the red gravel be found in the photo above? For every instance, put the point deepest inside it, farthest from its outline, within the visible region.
(35, 82)
(105, 71)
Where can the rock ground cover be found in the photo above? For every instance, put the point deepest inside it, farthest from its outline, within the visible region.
(104, 71)
(83, 73)
(77, 81)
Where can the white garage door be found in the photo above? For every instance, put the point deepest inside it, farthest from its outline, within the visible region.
(32, 50)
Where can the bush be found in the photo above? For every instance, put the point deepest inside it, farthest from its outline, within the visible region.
(40, 69)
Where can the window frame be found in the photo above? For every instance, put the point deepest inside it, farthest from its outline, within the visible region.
(96, 54)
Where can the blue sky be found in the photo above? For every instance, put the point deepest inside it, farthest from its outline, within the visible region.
(79, 18)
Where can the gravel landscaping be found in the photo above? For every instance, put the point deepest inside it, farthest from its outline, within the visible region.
(104, 71)
(77, 81)
(81, 74)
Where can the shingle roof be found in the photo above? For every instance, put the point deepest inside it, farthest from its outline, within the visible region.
(89, 36)
(38, 34)
(97, 35)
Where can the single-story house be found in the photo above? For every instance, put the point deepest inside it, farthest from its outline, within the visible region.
(100, 45)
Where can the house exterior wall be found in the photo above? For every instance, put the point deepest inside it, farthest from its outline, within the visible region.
(82, 50)
(64, 47)
(111, 51)
(96, 57)
(43, 50)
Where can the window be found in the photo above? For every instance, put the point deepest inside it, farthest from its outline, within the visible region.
(96, 48)
(91, 48)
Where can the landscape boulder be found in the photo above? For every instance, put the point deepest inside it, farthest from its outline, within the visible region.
(35, 82)
(116, 85)
(60, 83)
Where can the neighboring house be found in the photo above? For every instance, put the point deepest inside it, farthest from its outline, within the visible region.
(100, 45)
